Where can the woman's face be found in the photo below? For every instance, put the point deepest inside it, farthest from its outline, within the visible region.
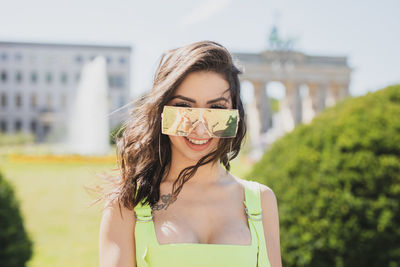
(199, 90)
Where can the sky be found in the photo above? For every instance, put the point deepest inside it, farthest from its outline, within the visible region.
(366, 31)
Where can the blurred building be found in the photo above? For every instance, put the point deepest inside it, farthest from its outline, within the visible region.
(38, 83)
(311, 83)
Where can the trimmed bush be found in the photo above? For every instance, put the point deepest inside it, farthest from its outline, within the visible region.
(16, 139)
(15, 245)
(115, 133)
(337, 182)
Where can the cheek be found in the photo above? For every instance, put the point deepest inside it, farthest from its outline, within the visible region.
(214, 144)
(174, 140)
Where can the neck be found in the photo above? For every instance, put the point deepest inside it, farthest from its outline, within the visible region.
(207, 174)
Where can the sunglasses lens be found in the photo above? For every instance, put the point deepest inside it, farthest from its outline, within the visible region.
(222, 123)
(181, 121)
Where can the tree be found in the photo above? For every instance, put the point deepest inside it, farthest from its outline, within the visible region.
(337, 182)
(15, 245)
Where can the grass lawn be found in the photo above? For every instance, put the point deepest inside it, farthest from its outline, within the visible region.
(56, 209)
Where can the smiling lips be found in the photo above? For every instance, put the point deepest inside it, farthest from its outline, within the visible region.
(197, 144)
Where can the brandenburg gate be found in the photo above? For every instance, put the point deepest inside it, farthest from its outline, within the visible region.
(326, 79)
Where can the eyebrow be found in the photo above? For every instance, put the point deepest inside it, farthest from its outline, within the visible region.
(208, 102)
(194, 101)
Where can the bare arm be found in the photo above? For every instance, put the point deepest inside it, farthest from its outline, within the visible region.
(271, 225)
(117, 240)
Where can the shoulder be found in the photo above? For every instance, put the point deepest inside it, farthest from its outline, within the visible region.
(116, 238)
(269, 203)
(265, 191)
(113, 210)
(269, 206)
(270, 223)
(268, 197)
(116, 220)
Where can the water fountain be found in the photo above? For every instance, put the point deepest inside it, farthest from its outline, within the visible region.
(88, 125)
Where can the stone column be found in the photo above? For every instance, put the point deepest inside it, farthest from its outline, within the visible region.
(344, 91)
(332, 95)
(293, 101)
(317, 94)
(337, 92)
(307, 105)
(263, 105)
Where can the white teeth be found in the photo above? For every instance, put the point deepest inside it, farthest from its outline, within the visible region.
(197, 142)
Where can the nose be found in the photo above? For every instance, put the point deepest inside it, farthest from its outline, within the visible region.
(201, 131)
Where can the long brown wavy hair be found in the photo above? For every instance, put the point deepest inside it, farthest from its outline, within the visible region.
(141, 141)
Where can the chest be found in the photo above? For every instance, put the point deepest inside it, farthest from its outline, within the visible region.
(203, 220)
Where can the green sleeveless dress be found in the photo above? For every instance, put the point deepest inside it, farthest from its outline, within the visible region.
(152, 254)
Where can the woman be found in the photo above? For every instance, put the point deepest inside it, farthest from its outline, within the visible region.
(174, 204)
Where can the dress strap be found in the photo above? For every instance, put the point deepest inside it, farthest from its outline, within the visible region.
(253, 201)
(254, 213)
(143, 213)
(143, 231)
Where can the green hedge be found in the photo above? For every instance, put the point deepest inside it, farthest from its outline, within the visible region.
(337, 182)
(115, 134)
(15, 245)
(16, 139)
